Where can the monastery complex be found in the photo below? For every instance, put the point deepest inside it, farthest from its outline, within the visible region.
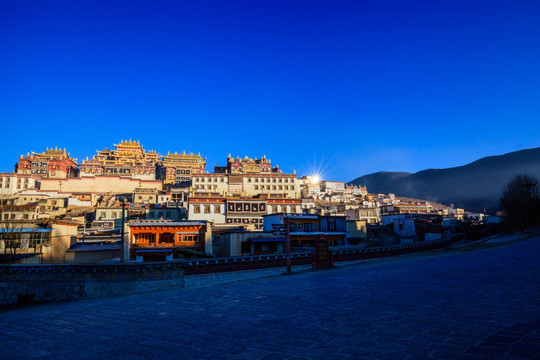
(171, 206)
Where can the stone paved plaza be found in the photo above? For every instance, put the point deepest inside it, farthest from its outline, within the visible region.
(471, 303)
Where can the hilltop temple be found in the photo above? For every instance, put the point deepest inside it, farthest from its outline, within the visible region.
(247, 166)
(51, 164)
(129, 159)
(178, 168)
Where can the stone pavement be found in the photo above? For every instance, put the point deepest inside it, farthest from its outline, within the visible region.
(458, 304)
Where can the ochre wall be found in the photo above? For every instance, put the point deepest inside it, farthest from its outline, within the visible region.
(99, 184)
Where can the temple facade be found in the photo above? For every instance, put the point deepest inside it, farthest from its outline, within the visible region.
(129, 159)
(247, 177)
(51, 164)
(165, 240)
(246, 212)
(247, 166)
(179, 168)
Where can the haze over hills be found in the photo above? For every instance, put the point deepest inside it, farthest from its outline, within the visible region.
(474, 186)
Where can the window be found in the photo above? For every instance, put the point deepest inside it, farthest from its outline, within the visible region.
(197, 209)
(332, 225)
(217, 209)
(207, 209)
(189, 238)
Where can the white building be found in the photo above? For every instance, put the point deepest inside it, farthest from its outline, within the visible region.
(208, 208)
(210, 183)
(246, 184)
(272, 184)
(12, 183)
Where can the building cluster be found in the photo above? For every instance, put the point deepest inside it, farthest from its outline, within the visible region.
(56, 210)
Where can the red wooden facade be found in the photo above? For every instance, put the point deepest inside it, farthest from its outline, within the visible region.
(167, 237)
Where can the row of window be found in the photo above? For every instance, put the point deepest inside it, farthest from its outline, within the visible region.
(249, 180)
(273, 187)
(269, 180)
(276, 209)
(19, 185)
(255, 187)
(117, 171)
(160, 214)
(252, 220)
(165, 238)
(207, 209)
(205, 187)
(233, 206)
(209, 179)
(13, 216)
(25, 240)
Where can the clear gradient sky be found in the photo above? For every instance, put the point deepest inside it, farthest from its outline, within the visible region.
(349, 87)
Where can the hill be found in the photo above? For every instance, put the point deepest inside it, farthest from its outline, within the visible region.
(474, 186)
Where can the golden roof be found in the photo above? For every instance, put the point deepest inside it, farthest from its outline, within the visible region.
(129, 143)
(53, 154)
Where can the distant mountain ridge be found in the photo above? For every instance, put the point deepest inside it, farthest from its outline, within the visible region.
(474, 186)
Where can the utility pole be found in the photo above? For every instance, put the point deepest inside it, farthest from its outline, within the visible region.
(84, 228)
(288, 245)
(122, 233)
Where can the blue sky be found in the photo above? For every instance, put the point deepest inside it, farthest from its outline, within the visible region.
(345, 87)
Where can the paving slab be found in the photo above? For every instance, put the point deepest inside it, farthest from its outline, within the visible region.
(470, 303)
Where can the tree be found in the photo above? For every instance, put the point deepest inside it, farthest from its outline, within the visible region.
(519, 201)
(13, 221)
